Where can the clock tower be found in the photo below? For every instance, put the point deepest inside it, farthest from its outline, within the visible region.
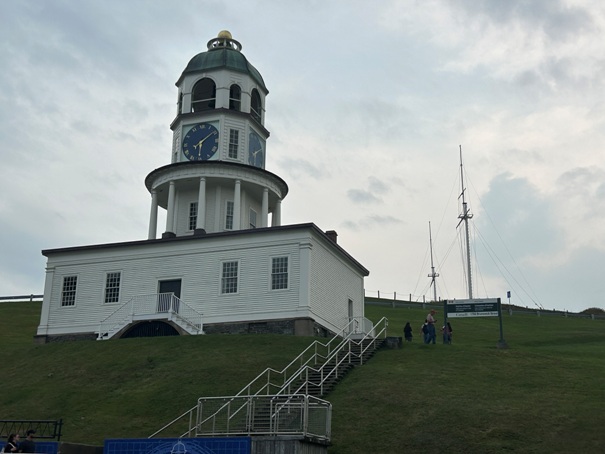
(216, 180)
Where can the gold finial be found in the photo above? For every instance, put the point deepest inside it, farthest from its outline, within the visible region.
(224, 34)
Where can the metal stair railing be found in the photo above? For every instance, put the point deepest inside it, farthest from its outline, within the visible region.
(264, 415)
(344, 354)
(271, 379)
(153, 306)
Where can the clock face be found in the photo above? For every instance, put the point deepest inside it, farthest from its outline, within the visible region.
(256, 151)
(201, 142)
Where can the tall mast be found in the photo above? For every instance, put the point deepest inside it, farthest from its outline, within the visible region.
(464, 217)
(433, 275)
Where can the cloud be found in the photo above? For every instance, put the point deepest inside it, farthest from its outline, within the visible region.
(361, 196)
(372, 222)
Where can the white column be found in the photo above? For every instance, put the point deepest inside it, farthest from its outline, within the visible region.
(219, 217)
(237, 205)
(153, 216)
(200, 222)
(276, 218)
(264, 216)
(170, 214)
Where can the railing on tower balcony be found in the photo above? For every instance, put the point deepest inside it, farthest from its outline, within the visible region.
(157, 306)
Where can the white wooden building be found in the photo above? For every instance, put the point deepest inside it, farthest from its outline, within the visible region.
(224, 263)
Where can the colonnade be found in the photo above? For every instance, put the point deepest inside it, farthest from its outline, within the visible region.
(201, 209)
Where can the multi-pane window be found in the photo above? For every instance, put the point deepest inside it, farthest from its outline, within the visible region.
(68, 293)
(192, 215)
(229, 277)
(112, 287)
(229, 216)
(233, 143)
(279, 273)
(252, 219)
(235, 97)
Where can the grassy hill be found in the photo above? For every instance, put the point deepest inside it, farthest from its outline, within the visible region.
(545, 393)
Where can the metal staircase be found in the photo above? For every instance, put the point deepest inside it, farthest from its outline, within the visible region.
(287, 401)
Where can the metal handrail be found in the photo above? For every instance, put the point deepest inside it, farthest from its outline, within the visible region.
(338, 361)
(152, 304)
(305, 368)
(265, 415)
(315, 353)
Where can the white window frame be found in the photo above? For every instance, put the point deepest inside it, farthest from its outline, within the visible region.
(229, 213)
(112, 292)
(193, 213)
(69, 295)
(276, 276)
(226, 287)
(233, 152)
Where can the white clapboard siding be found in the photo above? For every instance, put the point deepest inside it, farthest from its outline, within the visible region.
(197, 261)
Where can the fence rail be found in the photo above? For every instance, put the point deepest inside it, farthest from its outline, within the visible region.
(506, 308)
(30, 298)
(45, 429)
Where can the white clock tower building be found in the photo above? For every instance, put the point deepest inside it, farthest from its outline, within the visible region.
(224, 262)
(217, 179)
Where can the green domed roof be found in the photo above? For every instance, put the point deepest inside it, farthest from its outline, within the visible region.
(223, 52)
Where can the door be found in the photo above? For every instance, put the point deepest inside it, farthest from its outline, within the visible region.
(170, 287)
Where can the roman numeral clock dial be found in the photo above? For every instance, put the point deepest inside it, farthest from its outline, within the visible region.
(201, 142)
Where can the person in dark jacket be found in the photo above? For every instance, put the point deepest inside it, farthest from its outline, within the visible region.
(28, 444)
(407, 332)
(12, 444)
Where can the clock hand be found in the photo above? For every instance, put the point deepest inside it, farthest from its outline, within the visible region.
(199, 144)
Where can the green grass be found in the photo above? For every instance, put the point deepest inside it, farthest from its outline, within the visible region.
(546, 393)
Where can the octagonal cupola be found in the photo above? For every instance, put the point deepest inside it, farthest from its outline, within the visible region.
(216, 179)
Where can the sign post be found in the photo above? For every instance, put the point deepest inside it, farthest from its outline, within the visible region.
(489, 307)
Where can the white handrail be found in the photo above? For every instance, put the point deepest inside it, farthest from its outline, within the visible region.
(151, 305)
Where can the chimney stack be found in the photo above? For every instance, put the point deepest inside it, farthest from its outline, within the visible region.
(332, 235)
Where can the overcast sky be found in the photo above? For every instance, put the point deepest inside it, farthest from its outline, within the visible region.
(368, 103)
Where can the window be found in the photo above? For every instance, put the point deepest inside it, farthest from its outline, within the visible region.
(68, 294)
(229, 277)
(229, 216)
(255, 105)
(233, 143)
(192, 215)
(279, 273)
(252, 219)
(204, 95)
(112, 287)
(235, 97)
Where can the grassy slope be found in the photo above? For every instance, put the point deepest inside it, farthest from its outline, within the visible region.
(545, 393)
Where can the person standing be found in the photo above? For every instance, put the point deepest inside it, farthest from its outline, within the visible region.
(447, 333)
(431, 320)
(28, 445)
(12, 444)
(424, 330)
(407, 332)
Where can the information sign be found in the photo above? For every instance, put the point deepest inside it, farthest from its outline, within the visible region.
(472, 308)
